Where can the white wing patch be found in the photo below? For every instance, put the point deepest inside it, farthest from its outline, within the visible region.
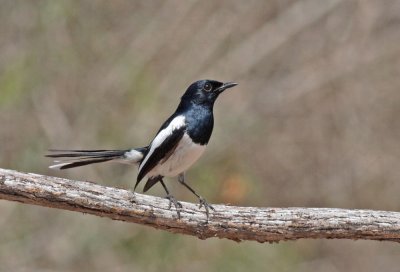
(175, 124)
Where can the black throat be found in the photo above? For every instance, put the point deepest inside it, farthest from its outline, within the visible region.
(199, 120)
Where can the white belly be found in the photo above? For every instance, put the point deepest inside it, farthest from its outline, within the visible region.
(184, 155)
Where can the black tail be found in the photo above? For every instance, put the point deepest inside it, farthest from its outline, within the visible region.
(76, 158)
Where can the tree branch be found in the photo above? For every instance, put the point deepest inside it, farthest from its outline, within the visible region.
(235, 223)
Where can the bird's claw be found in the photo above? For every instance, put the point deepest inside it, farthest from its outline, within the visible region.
(177, 204)
(132, 197)
(207, 206)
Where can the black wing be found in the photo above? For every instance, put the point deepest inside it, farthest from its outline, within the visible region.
(162, 152)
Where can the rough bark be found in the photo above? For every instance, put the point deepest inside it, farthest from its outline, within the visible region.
(235, 223)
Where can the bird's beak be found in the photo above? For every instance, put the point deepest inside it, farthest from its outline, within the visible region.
(225, 86)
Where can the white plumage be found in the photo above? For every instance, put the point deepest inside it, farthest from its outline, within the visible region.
(184, 155)
(175, 124)
(132, 157)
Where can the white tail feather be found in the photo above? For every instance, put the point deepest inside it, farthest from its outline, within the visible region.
(58, 166)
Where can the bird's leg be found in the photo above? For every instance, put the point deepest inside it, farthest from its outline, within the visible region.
(132, 197)
(203, 202)
(172, 200)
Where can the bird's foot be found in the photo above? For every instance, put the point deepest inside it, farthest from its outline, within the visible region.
(207, 206)
(177, 204)
(132, 197)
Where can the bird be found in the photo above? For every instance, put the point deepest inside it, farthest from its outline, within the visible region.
(178, 144)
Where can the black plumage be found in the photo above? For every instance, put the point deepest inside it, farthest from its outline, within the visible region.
(177, 145)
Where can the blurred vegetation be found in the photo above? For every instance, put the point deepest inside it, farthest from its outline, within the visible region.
(314, 122)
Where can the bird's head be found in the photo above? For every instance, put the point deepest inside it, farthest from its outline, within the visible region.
(205, 91)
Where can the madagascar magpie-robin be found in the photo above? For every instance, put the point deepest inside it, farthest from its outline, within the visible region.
(180, 142)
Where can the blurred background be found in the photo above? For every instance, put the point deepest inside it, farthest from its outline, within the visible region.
(313, 123)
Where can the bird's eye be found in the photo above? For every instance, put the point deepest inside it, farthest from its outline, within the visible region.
(207, 87)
